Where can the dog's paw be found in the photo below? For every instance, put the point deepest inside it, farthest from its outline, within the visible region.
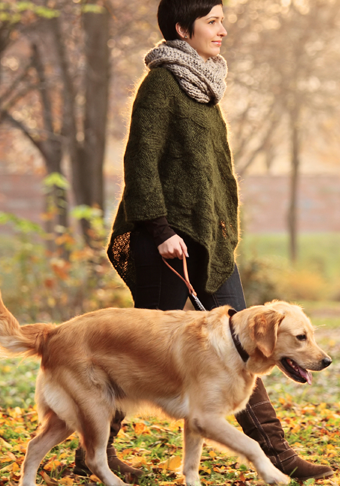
(276, 477)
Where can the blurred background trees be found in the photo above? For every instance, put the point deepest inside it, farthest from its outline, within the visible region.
(284, 59)
(69, 68)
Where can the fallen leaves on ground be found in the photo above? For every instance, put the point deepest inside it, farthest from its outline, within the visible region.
(155, 446)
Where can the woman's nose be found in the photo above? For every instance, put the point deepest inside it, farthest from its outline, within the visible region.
(223, 32)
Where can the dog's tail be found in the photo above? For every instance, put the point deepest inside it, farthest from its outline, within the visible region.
(21, 340)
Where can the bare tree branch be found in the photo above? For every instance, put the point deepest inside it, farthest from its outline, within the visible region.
(16, 82)
(45, 99)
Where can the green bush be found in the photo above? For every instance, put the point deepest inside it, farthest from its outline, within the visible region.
(267, 272)
(43, 285)
(267, 279)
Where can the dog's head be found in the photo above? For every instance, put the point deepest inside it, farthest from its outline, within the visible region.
(283, 336)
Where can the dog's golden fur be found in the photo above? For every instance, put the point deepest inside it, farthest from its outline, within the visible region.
(185, 363)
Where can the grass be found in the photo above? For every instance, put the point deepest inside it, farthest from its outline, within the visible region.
(267, 272)
(317, 252)
(310, 416)
(155, 446)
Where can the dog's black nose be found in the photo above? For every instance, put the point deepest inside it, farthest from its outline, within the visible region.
(326, 362)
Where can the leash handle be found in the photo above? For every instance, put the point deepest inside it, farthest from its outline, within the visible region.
(186, 275)
(186, 281)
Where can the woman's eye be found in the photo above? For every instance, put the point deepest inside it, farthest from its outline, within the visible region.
(301, 337)
(212, 22)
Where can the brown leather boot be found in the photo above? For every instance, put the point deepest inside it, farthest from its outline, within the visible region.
(259, 421)
(115, 464)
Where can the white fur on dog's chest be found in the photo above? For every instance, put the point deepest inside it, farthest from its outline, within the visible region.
(177, 407)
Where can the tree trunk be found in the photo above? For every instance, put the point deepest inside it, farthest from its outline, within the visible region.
(96, 28)
(59, 194)
(295, 163)
(87, 155)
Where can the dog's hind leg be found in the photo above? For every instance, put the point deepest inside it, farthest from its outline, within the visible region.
(219, 430)
(94, 436)
(192, 454)
(52, 432)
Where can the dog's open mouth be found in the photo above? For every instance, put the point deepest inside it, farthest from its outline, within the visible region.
(295, 372)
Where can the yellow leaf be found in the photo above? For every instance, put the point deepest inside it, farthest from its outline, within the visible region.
(52, 464)
(68, 481)
(172, 464)
(141, 428)
(15, 467)
(20, 448)
(174, 426)
(63, 455)
(127, 452)
(49, 481)
(95, 479)
(137, 461)
(51, 301)
(3, 443)
(220, 469)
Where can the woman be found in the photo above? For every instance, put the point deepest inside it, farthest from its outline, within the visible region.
(181, 195)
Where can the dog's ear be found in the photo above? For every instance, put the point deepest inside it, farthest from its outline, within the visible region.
(263, 330)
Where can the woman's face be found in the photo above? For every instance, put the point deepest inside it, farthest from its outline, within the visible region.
(208, 33)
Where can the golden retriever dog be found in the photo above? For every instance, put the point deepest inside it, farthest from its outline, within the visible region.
(186, 363)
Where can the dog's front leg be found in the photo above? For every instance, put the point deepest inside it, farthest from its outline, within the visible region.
(192, 454)
(219, 430)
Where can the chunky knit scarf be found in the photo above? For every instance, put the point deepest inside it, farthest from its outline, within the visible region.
(203, 81)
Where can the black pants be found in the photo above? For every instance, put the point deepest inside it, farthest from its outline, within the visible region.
(159, 288)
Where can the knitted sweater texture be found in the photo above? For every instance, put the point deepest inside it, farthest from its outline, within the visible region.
(178, 164)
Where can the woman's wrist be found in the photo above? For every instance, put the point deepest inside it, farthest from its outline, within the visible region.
(159, 229)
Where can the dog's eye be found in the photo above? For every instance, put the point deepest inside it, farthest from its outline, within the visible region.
(301, 337)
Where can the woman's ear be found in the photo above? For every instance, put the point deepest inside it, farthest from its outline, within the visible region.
(181, 32)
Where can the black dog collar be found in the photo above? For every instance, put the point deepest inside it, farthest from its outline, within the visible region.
(241, 351)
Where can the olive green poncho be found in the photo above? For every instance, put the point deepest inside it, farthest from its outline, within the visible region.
(178, 164)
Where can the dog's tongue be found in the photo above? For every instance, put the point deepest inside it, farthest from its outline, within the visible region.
(306, 374)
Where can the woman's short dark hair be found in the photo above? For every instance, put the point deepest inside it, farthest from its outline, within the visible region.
(184, 12)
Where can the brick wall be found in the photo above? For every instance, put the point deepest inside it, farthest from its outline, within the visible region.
(265, 201)
(21, 195)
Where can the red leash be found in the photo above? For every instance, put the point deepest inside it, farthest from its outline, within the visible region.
(187, 281)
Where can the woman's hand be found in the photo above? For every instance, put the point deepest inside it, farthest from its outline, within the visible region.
(173, 247)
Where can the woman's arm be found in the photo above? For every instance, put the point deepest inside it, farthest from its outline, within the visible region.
(169, 244)
(147, 144)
